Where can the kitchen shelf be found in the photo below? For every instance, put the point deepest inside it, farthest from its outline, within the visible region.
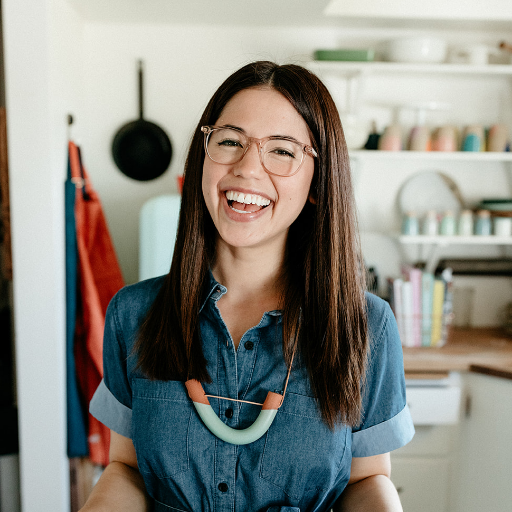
(433, 244)
(473, 156)
(358, 68)
(444, 240)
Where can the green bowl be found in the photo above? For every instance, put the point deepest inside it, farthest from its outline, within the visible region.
(346, 54)
(497, 205)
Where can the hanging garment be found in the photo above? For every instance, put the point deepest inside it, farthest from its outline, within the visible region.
(99, 279)
(76, 407)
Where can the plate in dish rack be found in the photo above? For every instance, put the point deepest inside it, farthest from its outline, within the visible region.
(430, 190)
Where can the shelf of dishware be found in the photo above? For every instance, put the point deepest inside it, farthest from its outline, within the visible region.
(445, 240)
(357, 68)
(473, 156)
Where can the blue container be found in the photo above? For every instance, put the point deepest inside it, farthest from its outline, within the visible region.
(472, 142)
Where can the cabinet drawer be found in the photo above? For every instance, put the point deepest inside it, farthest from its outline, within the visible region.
(434, 405)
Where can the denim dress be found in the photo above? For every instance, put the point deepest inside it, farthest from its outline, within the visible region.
(298, 465)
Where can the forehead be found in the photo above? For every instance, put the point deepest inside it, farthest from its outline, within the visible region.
(261, 112)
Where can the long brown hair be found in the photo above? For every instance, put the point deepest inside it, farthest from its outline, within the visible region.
(324, 308)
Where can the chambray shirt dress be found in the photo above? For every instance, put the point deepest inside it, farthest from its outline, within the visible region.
(298, 465)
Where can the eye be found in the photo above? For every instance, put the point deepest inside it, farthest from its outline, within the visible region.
(283, 152)
(282, 149)
(230, 143)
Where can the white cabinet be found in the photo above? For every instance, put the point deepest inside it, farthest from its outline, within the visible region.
(483, 471)
(464, 466)
(422, 470)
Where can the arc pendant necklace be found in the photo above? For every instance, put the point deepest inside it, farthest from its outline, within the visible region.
(228, 434)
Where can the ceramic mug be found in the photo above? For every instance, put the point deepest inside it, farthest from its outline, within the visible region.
(502, 226)
(473, 138)
(391, 139)
(497, 138)
(445, 139)
(419, 139)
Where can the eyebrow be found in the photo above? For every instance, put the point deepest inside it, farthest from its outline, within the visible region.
(238, 129)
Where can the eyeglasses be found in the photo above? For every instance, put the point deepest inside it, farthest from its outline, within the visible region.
(279, 156)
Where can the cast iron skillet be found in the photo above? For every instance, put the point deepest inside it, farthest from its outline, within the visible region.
(141, 149)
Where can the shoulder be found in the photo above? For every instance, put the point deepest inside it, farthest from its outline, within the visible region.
(130, 304)
(139, 295)
(379, 315)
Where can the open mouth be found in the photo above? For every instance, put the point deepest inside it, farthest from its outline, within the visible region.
(246, 203)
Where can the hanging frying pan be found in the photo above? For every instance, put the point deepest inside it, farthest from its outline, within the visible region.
(141, 149)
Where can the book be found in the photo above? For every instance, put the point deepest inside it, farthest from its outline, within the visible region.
(427, 296)
(437, 313)
(414, 276)
(395, 289)
(407, 315)
(447, 277)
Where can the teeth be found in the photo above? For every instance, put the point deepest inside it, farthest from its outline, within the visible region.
(239, 197)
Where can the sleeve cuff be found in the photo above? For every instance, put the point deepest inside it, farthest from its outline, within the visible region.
(384, 437)
(105, 407)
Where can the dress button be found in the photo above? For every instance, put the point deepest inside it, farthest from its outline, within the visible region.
(223, 487)
(249, 345)
(229, 413)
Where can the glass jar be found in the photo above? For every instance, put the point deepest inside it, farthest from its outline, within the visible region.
(466, 224)
(431, 224)
(448, 224)
(483, 226)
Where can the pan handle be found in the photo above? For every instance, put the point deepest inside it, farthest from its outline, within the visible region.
(141, 95)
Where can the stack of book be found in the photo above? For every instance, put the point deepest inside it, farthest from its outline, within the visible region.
(422, 304)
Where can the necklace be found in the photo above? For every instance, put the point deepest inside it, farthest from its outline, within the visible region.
(228, 434)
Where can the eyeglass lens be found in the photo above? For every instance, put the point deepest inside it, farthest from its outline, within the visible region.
(279, 156)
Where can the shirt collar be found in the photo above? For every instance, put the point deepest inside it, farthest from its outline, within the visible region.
(215, 291)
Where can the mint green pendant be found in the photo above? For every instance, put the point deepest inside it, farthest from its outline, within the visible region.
(220, 429)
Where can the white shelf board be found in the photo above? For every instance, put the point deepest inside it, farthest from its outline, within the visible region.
(351, 68)
(454, 240)
(473, 156)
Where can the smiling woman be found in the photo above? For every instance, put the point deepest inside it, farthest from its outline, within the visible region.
(257, 375)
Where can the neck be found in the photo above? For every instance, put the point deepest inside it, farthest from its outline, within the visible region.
(250, 272)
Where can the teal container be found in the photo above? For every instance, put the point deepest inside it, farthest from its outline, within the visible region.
(472, 142)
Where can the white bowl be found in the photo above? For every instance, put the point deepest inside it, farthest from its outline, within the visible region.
(416, 49)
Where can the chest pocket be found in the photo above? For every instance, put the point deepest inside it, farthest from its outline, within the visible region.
(301, 453)
(161, 417)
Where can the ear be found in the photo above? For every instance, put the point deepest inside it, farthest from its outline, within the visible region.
(312, 198)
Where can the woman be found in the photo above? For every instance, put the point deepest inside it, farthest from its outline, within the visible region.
(265, 294)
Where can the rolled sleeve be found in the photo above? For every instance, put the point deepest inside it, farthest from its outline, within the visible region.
(106, 408)
(112, 401)
(384, 437)
(386, 422)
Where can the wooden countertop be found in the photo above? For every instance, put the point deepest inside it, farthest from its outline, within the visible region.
(486, 351)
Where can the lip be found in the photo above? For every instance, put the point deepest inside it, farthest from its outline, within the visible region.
(243, 217)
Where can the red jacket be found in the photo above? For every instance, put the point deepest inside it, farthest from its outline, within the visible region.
(99, 279)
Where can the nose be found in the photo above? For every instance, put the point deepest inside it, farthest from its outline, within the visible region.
(250, 165)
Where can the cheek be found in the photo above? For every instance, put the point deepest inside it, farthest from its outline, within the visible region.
(206, 185)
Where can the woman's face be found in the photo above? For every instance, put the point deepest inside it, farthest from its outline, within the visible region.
(259, 113)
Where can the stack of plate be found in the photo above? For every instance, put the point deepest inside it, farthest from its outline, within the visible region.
(499, 207)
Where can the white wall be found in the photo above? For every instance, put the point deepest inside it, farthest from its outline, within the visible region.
(42, 58)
